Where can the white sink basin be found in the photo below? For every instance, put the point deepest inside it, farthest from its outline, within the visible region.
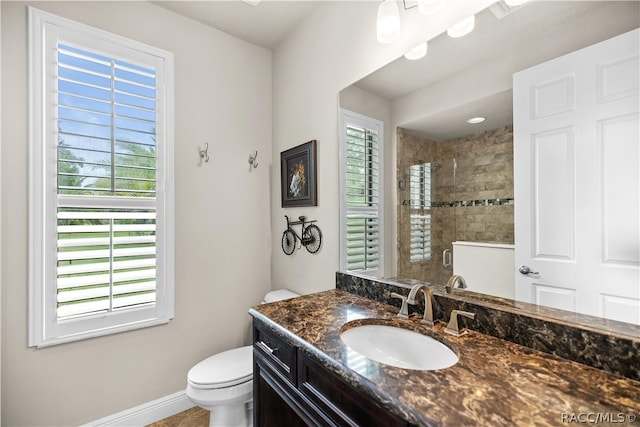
(399, 347)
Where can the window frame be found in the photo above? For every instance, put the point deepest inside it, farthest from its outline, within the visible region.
(45, 31)
(347, 117)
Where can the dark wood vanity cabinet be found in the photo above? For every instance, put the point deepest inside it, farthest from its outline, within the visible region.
(291, 388)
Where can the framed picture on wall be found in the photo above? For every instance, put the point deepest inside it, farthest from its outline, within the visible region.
(298, 175)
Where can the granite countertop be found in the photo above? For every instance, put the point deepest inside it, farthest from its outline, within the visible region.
(495, 382)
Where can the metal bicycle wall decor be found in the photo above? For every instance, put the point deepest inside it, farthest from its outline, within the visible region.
(311, 236)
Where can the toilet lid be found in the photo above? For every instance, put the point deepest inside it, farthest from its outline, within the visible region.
(224, 369)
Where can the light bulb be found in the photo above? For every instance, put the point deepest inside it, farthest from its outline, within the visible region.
(388, 22)
(417, 52)
(463, 27)
(430, 7)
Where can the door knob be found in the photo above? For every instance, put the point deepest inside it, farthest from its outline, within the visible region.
(526, 270)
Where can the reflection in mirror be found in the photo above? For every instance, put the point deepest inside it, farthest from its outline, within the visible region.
(454, 181)
(470, 198)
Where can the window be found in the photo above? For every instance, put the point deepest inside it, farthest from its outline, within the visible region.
(420, 222)
(361, 206)
(101, 202)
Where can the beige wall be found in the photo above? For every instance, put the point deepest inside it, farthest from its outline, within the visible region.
(223, 240)
(335, 46)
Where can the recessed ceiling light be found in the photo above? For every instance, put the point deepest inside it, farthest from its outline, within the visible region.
(417, 52)
(252, 2)
(476, 120)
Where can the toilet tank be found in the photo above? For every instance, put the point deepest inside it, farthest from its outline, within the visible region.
(487, 268)
(279, 295)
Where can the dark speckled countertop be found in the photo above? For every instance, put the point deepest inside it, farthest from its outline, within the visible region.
(495, 382)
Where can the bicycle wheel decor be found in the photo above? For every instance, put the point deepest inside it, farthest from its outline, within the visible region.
(288, 242)
(313, 235)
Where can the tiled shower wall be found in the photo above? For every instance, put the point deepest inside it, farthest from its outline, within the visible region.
(481, 210)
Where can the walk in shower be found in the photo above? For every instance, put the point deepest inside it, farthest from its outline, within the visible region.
(456, 190)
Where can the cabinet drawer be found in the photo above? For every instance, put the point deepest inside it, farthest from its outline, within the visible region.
(275, 351)
(338, 400)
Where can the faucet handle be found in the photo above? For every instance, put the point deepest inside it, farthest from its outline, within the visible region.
(404, 310)
(452, 327)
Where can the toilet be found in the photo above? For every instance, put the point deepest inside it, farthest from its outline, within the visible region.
(223, 383)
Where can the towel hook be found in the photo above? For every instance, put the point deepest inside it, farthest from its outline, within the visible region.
(203, 154)
(252, 161)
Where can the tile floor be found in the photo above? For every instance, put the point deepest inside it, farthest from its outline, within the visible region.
(194, 417)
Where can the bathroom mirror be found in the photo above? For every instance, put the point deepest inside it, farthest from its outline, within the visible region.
(427, 103)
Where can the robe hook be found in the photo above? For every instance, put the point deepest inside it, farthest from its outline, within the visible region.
(203, 154)
(252, 161)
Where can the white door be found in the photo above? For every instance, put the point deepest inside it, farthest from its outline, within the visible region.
(577, 181)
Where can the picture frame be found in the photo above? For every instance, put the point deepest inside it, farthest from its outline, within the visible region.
(298, 175)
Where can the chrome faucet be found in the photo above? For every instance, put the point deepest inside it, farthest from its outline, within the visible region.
(452, 283)
(427, 317)
(452, 327)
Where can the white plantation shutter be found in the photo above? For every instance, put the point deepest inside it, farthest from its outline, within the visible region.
(106, 117)
(107, 265)
(106, 113)
(362, 241)
(420, 231)
(420, 186)
(361, 209)
(102, 125)
(420, 219)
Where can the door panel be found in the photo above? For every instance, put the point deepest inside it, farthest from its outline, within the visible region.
(618, 138)
(554, 194)
(554, 296)
(553, 97)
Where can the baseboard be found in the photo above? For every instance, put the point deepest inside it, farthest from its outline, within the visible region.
(146, 413)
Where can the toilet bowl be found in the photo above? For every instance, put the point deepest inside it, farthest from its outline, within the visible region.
(223, 383)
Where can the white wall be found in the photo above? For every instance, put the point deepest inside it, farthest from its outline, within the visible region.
(334, 47)
(223, 239)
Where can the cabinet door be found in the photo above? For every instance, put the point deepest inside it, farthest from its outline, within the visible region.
(271, 405)
(276, 403)
(337, 400)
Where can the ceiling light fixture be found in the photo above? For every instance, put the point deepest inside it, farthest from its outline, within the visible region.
(252, 2)
(476, 120)
(388, 22)
(431, 7)
(417, 52)
(463, 27)
(515, 2)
